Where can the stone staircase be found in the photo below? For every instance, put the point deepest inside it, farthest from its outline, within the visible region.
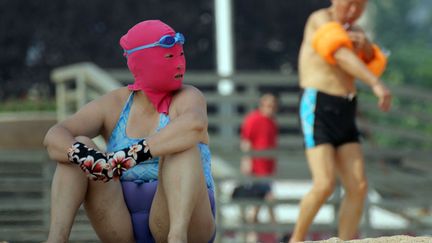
(25, 178)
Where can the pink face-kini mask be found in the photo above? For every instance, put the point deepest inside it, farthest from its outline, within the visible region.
(155, 57)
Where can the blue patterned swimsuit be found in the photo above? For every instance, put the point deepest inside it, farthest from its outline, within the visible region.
(147, 171)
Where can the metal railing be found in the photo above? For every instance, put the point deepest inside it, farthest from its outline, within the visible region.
(77, 84)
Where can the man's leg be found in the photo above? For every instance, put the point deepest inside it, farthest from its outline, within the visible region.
(70, 187)
(252, 236)
(255, 212)
(350, 166)
(181, 209)
(265, 193)
(321, 161)
(270, 198)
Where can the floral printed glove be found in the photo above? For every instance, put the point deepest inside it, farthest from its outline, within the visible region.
(104, 167)
(91, 161)
(126, 158)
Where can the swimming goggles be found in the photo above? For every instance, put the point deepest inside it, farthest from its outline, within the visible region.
(165, 41)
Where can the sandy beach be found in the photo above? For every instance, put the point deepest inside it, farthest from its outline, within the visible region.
(387, 239)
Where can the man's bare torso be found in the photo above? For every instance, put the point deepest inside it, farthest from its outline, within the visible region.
(314, 71)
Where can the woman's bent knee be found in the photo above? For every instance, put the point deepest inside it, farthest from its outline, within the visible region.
(69, 170)
(86, 140)
(186, 161)
(192, 153)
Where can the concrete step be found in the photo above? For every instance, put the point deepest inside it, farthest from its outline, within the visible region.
(20, 234)
(24, 130)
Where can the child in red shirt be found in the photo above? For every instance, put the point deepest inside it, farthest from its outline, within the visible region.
(259, 131)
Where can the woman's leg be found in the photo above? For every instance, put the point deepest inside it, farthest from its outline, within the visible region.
(68, 189)
(181, 209)
(107, 211)
(71, 187)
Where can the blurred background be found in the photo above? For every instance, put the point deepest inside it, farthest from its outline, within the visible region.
(57, 55)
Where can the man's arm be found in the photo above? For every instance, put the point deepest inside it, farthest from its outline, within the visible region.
(353, 65)
(246, 135)
(331, 38)
(362, 45)
(350, 63)
(246, 160)
(188, 128)
(347, 60)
